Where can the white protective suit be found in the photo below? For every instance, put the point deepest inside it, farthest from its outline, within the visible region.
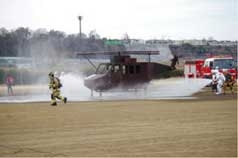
(220, 81)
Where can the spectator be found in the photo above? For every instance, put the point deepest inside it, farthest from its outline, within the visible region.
(9, 83)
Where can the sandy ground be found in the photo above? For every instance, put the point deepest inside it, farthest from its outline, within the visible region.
(202, 127)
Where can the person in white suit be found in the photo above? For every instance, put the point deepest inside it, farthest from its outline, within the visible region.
(220, 81)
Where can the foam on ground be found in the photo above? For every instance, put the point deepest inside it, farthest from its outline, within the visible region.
(74, 90)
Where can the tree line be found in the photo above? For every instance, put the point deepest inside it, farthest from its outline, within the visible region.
(24, 42)
(41, 44)
(203, 51)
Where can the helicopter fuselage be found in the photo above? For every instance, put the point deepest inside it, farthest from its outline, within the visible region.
(123, 72)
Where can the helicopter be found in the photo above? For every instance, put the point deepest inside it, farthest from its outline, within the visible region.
(123, 71)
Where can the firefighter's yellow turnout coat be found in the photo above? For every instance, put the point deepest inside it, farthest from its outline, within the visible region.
(54, 86)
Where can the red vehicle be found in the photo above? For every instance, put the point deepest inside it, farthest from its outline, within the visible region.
(222, 63)
(204, 68)
(192, 68)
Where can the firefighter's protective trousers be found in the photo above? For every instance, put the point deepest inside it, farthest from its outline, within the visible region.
(56, 94)
(55, 91)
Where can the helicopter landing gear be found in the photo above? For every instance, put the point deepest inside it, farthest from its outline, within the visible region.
(100, 93)
(145, 91)
(91, 92)
(135, 91)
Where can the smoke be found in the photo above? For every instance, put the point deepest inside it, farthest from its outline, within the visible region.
(74, 89)
(47, 58)
(45, 55)
(173, 88)
(177, 87)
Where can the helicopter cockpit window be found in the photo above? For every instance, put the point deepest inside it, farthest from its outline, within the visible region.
(102, 68)
(109, 68)
(116, 68)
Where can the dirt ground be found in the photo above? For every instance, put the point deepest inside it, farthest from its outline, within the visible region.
(202, 127)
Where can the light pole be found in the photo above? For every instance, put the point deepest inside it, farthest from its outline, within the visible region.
(80, 19)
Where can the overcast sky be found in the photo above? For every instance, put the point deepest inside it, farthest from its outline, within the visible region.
(144, 19)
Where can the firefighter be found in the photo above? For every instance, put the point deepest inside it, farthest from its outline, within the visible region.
(220, 81)
(230, 81)
(55, 86)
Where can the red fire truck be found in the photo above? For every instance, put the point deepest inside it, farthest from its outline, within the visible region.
(203, 68)
(192, 68)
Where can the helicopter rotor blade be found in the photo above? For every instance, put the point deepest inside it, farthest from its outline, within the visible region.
(94, 66)
(118, 53)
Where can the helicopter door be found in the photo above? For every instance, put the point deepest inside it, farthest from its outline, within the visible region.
(116, 74)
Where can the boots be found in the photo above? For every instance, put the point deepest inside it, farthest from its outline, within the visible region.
(65, 100)
(54, 104)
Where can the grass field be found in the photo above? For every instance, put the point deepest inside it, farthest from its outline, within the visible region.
(203, 127)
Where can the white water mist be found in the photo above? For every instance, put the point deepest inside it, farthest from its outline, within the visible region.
(74, 89)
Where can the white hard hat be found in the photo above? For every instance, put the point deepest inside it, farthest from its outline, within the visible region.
(215, 71)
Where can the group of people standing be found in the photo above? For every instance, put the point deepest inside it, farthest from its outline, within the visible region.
(221, 81)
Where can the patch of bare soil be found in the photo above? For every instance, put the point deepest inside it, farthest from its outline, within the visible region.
(178, 128)
(207, 94)
(201, 127)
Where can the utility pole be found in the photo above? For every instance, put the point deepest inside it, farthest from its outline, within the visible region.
(80, 33)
